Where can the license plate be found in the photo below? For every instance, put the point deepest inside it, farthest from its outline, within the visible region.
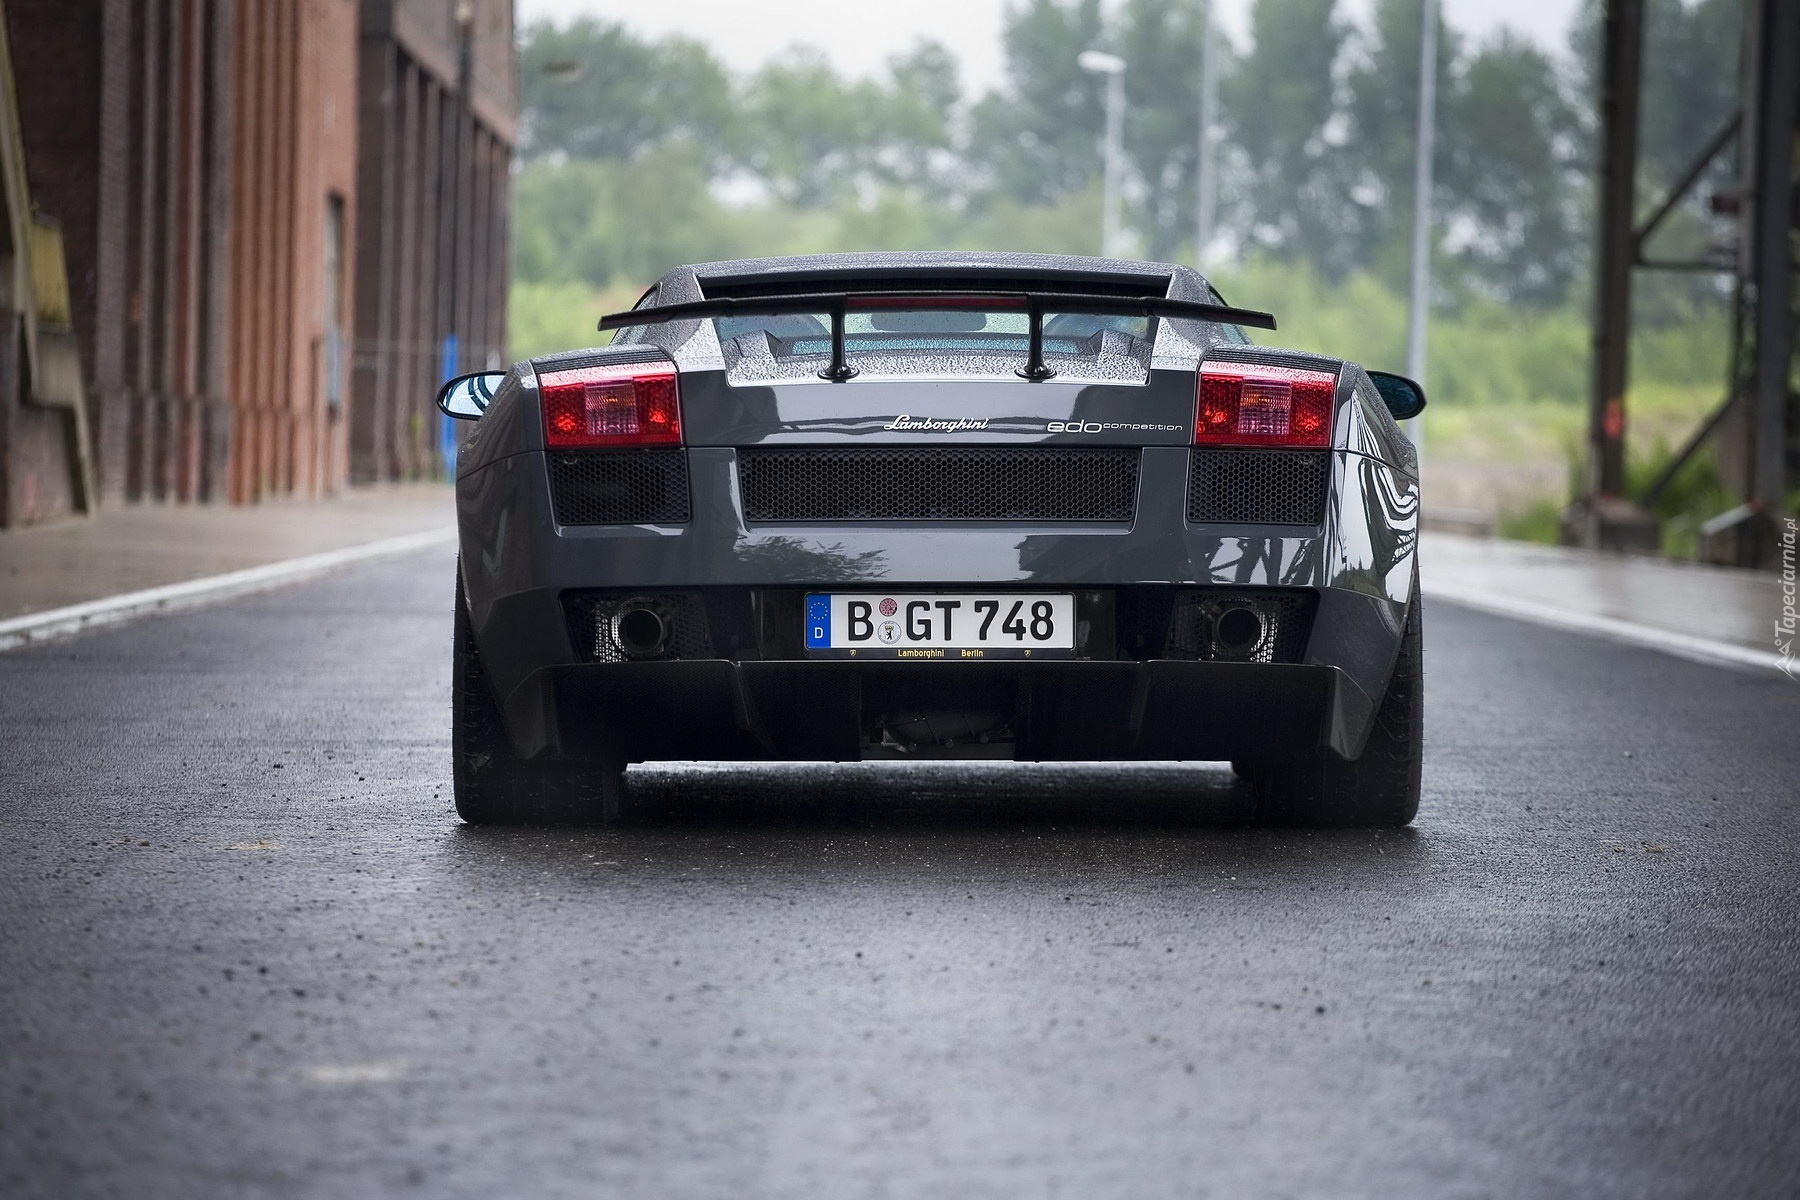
(933, 625)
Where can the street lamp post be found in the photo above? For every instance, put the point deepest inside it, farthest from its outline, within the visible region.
(1113, 148)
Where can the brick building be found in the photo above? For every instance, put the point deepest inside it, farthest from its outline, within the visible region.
(211, 163)
(437, 123)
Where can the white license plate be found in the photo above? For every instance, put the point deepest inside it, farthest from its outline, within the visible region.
(935, 625)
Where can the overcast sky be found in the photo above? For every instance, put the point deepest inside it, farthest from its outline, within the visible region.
(860, 37)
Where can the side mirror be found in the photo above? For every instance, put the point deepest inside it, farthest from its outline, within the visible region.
(1404, 398)
(467, 396)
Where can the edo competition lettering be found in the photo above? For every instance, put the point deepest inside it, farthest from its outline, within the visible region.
(1098, 427)
(910, 423)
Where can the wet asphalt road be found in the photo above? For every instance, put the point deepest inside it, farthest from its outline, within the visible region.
(246, 949)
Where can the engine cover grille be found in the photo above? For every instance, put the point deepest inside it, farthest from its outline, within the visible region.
(933, 484)
(1274, 487)
(619, 487)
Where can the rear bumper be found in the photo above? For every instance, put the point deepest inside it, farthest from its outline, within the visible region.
(748, 691)
(747, 698)
(718, 709)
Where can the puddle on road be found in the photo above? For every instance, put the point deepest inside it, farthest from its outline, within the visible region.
(379, 1071)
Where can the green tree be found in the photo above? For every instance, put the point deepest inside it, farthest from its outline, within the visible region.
(1504, 157)
(1290, 199)
(1691, 82)
(600, 223)
(816, 138)
(1383, 104)
(918, 114)
(1690, 78)
(1163, 44)
(593, 90)
(1036, 140)
(809, 134)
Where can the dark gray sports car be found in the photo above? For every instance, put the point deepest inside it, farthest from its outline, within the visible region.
(934, 505)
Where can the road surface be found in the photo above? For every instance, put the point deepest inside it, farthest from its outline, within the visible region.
(246, 950)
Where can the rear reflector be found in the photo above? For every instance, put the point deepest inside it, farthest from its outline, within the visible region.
(1247, 404)
(631, 404)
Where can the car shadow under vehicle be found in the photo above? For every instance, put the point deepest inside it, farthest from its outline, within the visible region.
(969, 794)
(922, 798)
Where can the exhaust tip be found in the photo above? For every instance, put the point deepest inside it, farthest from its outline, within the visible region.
(1238, 631)
(640, 632)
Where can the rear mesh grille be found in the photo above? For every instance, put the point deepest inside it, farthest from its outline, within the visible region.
(619, 487)
(1274, 487)
(950, 484)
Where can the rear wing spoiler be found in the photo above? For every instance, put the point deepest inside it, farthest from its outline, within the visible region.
(1035, 304)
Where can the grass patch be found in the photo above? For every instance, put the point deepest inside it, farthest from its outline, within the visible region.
(544, 318)
(1537, 520)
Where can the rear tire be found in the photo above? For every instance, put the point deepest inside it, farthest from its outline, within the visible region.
(1379, 789)
(493, 785)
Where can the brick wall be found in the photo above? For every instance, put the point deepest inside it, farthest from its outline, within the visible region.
(200, 154)
(433, 201)
(294, 152)
(124, 109)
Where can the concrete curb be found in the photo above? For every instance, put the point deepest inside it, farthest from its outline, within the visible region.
(62, 622)
(1681, 645)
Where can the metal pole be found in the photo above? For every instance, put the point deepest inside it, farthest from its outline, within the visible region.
(1112, 146)
(1769, 151)
(451, 348)
(1622, 32)
(1205, 166)
(1115, 159)
(1418, 312)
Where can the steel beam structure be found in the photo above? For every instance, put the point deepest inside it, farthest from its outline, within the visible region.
(1755, 422)
(1615, 252)
(1603, 518)
(1766, 261)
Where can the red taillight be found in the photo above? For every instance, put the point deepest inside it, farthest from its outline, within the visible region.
(630, 404)
(1243, 404)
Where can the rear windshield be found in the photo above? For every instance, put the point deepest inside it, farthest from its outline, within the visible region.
(903, 330)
